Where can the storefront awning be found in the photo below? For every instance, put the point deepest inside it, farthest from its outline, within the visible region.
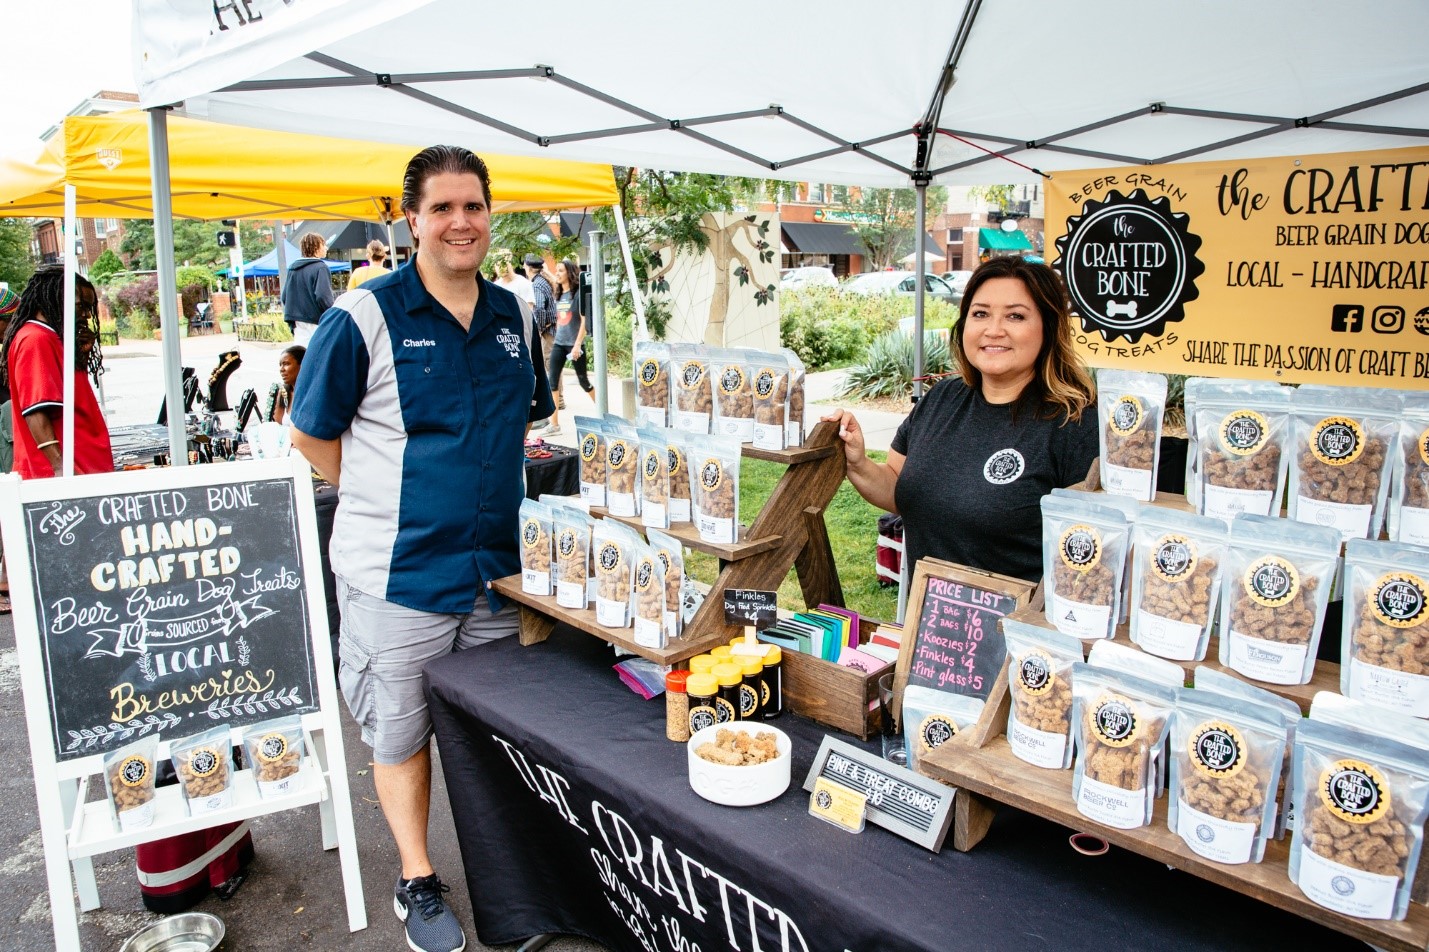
(834, 239)
(995, 239)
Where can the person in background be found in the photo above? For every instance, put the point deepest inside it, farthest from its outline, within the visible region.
(569, 338)
(375, 267)
(34, 373)
(307, 292)
(969, 466)
(507, 277)
(280, 395)
(418, 392)
(9, 303)
(544, 307)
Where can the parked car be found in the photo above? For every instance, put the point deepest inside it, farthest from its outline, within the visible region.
(807, 277)
(900, 282)
(958, 280)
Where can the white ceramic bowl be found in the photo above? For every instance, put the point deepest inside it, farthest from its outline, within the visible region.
(739, 786)
(186, 932)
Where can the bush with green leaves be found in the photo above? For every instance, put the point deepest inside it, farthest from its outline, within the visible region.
(135, 303)
(828, 328)
(192, 274)
(105, 267)
(887, 368)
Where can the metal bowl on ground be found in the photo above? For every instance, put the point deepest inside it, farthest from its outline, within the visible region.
(186, 932)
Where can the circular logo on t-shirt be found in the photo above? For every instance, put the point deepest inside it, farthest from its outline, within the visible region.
(1035, 672)
(566, 543)
(609, 557)
(711, 474)
(590, 445)
(673, 460)
(935, 731)
(764, 383)
(1244, 432)
(1113, 719)
(1126, 415)
(1216, 749)
(1337, 441)
(1081, 547)
(692, 374)
(1271, 581)
(652, 464)
(731, 379)
(1003, 467)
(1398, 600)
(133, 771)
(616, 453)
(1173, 557)
(649, 372)
(1354, 791)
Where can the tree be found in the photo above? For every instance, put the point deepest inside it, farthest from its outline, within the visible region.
(16, 264)
(885, 219)
(665, 209)
(524, 233)
(998, 195)
(105, 267)
(195, 243)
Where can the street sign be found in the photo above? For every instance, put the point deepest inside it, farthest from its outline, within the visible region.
(227, 239)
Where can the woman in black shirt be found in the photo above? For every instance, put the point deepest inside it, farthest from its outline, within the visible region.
(969, 466)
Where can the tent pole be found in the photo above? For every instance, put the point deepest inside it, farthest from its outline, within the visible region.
(642, 332)
(920, 256)
(164, 253)
(597, 320)
(242, 290)
(280, 246)
(71, 260)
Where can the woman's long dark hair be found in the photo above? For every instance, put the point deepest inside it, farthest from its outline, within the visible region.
(573, 275)
(44, 301)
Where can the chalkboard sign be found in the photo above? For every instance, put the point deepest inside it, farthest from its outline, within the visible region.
(750, 606)
(956, 645)
(899, 800)
(169, 611)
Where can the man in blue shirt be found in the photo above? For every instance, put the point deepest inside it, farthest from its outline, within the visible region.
(416, 394)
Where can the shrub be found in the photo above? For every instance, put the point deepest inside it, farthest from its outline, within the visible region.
(887, 368)
(828, 328)
(619, 333)
(193, 274)
(136, 304)
(105, 267)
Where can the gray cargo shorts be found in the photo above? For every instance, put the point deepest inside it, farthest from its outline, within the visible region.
(382, 649)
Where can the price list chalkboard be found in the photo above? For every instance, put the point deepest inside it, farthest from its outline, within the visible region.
(956, 644)
(169, 612)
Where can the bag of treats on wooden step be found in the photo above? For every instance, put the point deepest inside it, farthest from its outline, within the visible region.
(1130, 405)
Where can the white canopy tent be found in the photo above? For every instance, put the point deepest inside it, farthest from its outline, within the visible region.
(905, 94)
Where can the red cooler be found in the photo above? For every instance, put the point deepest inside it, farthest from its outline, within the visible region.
(177, 873)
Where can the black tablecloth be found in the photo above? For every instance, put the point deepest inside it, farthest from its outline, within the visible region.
(574, 815)
(557, 475)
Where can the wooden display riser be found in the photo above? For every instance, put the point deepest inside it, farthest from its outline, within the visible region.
(994, 772)
(789, 532)
(1326, 676)
(540, 614)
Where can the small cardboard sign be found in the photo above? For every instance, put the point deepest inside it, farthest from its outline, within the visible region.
(748, 606)
(900, 801)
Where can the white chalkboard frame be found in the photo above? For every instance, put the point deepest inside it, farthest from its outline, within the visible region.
(69, 841)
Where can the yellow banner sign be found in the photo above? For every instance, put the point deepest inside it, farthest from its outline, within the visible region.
(1303, 270)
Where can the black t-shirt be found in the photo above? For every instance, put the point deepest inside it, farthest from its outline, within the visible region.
(973, 480)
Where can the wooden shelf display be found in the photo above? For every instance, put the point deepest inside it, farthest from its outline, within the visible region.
(789, 532)
(981, 764)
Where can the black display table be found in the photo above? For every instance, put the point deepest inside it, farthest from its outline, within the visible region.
(574, 815)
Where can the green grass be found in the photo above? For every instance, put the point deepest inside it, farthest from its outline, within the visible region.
(853, 534)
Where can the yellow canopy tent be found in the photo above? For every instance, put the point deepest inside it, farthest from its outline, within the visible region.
(222, 171)
(100, 167)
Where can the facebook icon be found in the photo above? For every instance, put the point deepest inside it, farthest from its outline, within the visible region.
(1347, 318)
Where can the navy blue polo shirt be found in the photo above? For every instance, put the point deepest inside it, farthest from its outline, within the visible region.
(432, 420)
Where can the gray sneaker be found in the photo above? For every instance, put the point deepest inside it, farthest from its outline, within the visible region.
(431, 926)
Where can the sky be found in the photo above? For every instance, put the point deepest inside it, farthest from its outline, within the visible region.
(55, 54)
